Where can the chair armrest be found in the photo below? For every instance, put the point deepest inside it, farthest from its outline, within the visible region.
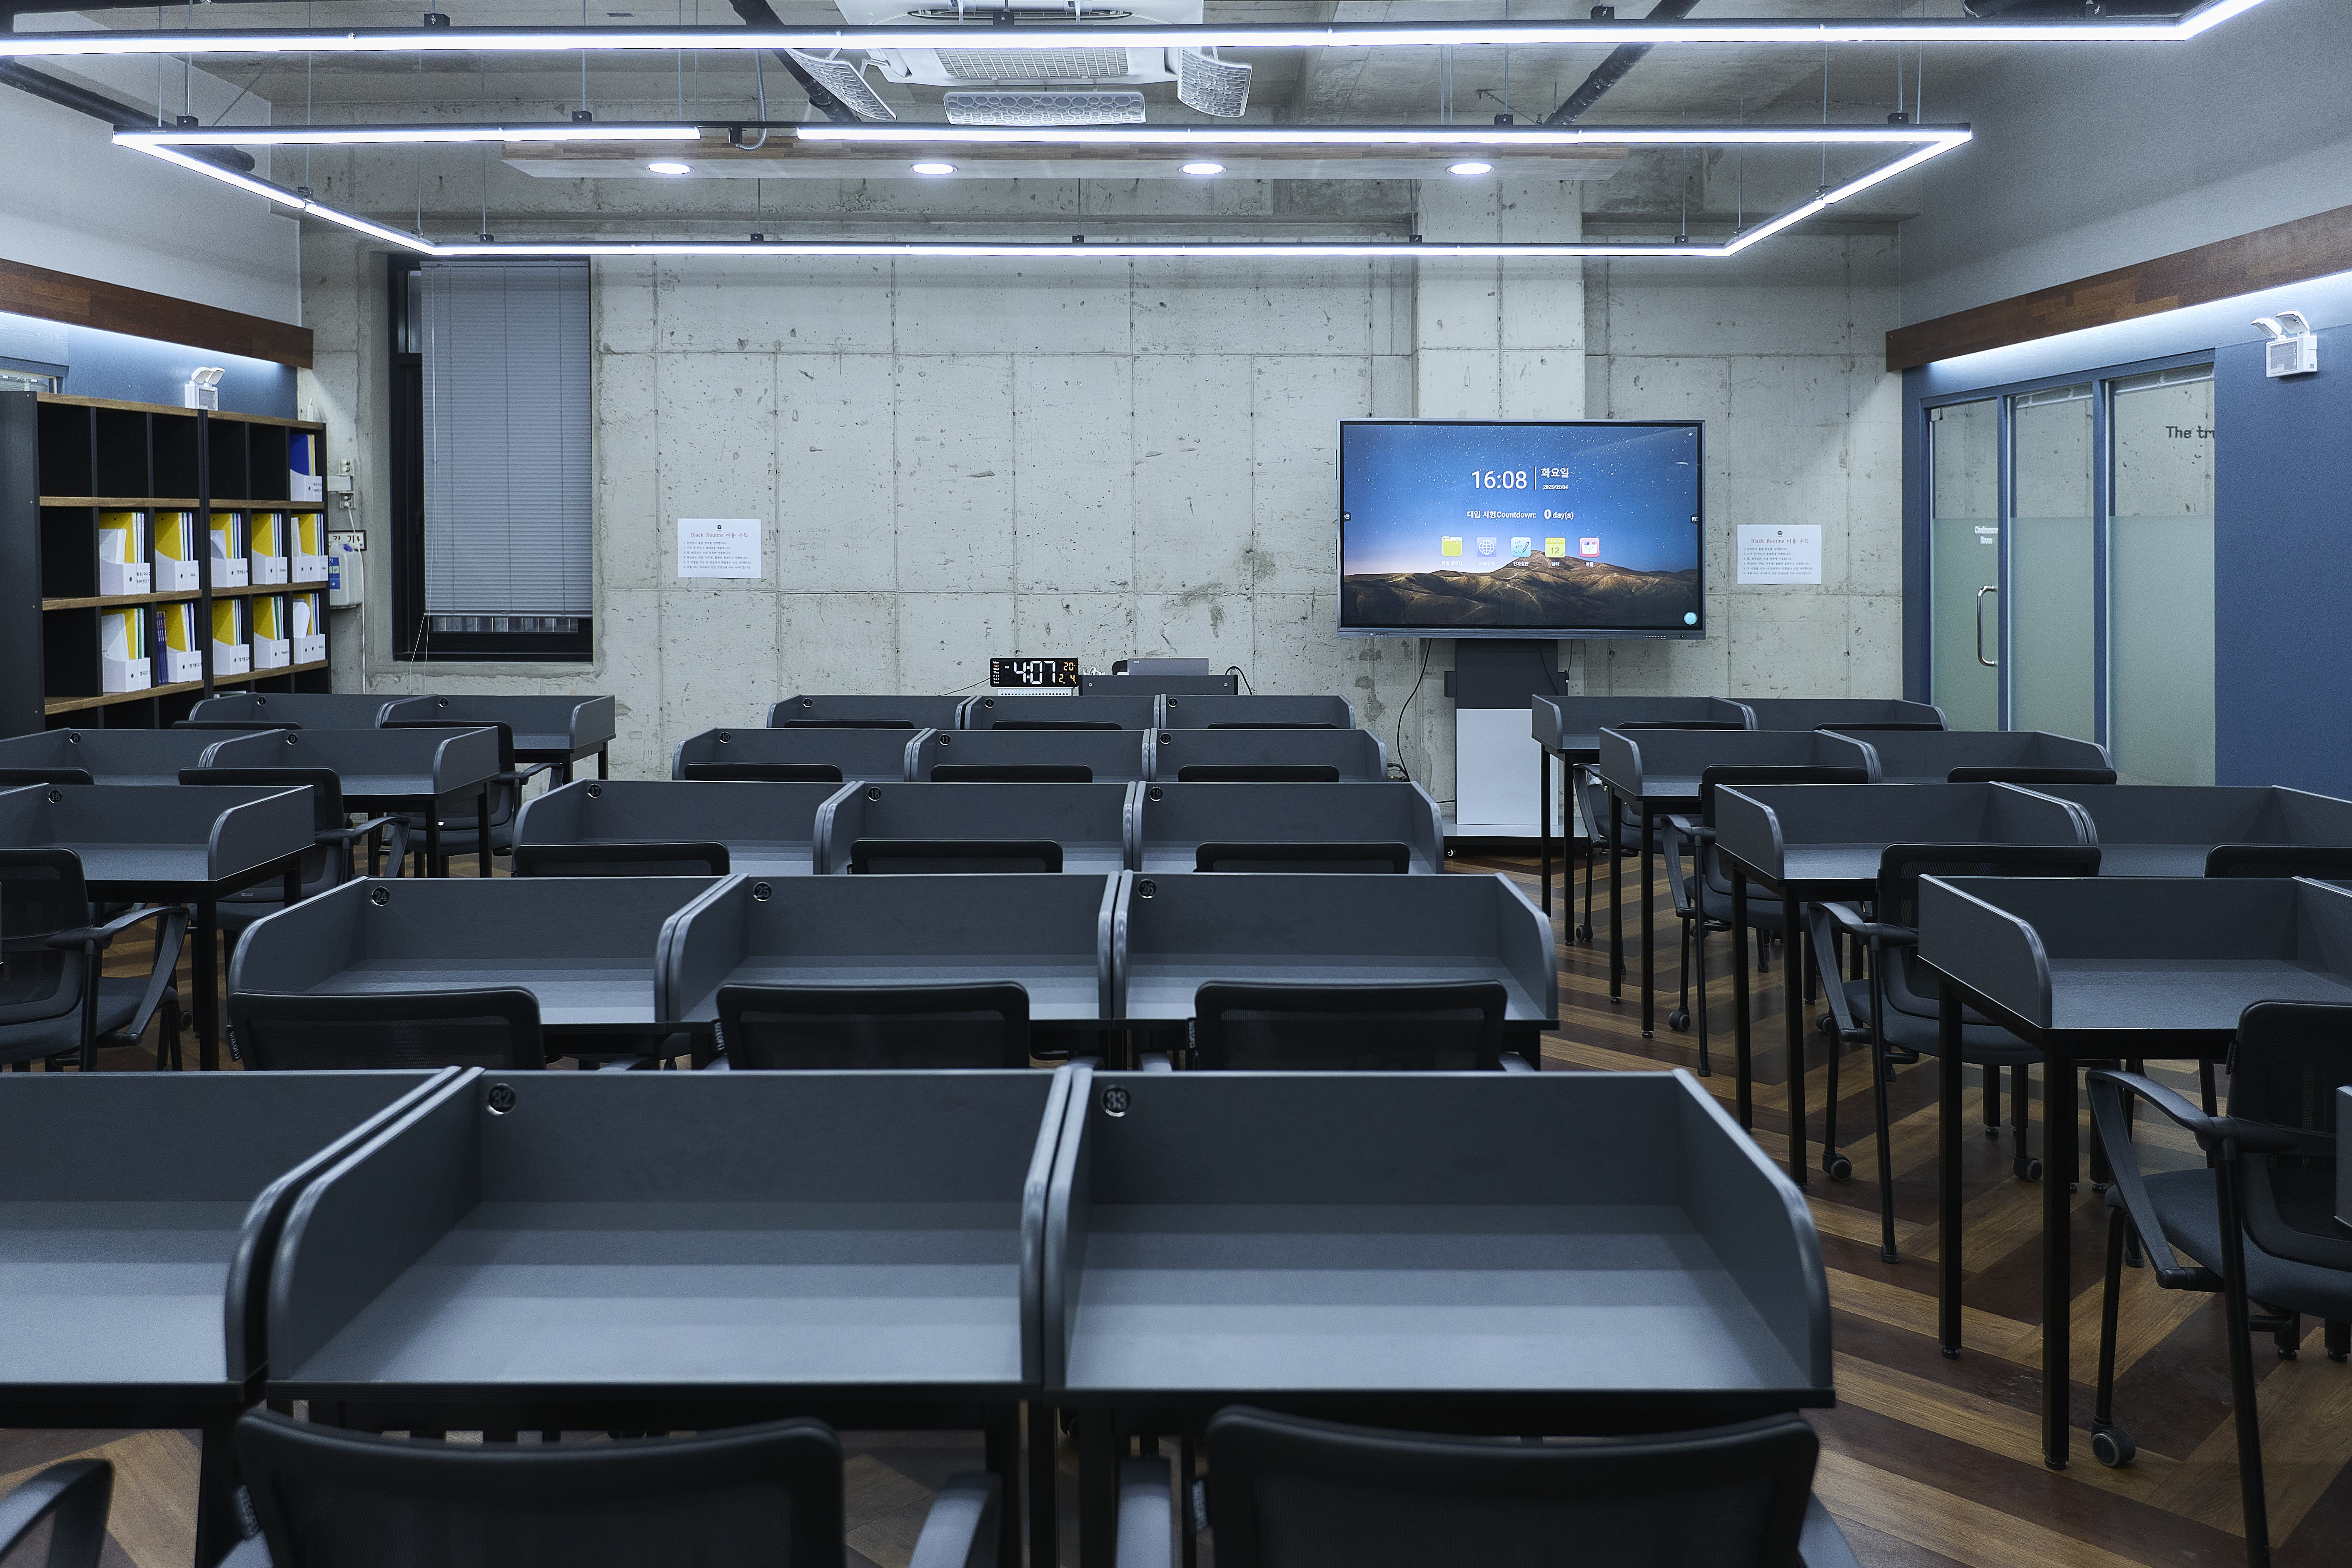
(101, 936)
(2110, 1093)
(1850, 920)
(1153, 1061)
(1146, 1517)
(1819, 1543)
(519, 776)
(353, 834)
(1514, 1062)
(960, 1529)
(1690, 827)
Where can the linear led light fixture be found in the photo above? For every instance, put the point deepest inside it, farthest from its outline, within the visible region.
(369, 135)
(1227, 35)
(1027, 251)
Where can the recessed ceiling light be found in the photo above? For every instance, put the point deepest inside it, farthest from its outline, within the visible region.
(1471, 168)
(1204, 168)
(932, 166)
(670, 167)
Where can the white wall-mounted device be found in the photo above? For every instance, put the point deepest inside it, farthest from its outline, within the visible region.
(2294, 347)
(203, 390)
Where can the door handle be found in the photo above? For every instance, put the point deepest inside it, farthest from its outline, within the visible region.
(1988, 663)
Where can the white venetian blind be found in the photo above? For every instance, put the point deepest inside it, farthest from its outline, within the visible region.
(506, 431)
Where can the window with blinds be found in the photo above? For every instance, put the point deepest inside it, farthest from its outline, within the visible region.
(505, 431)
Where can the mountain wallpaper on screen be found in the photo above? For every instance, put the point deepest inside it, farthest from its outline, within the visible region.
(1532, 591)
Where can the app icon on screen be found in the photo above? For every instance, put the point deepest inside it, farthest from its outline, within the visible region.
(1590, 548)
(1556, 547)
(1521, 544)
(1449, 544)
(1485, 546)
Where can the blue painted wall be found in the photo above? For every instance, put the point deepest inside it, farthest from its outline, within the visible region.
(141, 369)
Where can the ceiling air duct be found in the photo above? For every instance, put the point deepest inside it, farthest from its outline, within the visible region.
(981, 108)
(1207, 85)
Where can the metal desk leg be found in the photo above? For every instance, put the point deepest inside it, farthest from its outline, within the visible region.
(603, 763)
(1616, 917)
(1698, 963)
(1948, 1173)
(433, 866)
(1044, 1517)
(1649, 933)
(293, 888)
(2058, 1114)
(1098, 1453)
(220, 1524)
(482, 832)
(202, 976)
(1792, 969)
(1742, 1036)
(1002, 1439)
(1543, 819)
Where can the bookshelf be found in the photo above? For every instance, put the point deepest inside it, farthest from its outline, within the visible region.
(69, 469)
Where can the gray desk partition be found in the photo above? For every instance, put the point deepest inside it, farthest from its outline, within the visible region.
(1824, 841)
(1357, 754)
(1050, 935)
(1569, 728)
(1090, 821)
(1831, 713)
(1179, 712)
(1578, 1253)
(1180, 930)
(2111, 968)
(1135, 713)
(910, 712)
(110, 757)
(427, 773)
(1173, 821)
(191, 844)
(698, 1249)
(2168, 830)
(139, 1219)
(767, 828)
(558, 730)
(310, 710)
(1109, 756)
(1929, 756)
(856, 754)
(589, 948)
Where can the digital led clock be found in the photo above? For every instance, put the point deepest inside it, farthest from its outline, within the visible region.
(1033, 672)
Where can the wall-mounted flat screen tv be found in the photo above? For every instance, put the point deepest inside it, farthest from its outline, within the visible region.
(1521, 529)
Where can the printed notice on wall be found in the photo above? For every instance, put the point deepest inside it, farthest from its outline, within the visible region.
(719, 547)
(1781, 552)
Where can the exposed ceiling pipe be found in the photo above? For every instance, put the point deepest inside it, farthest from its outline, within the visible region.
(759, 14)
(1612, 71)
(97, 106)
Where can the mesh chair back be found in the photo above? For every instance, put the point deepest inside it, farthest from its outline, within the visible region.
(496, 1028)
(1909, 987)
(1258, 772)
(1365, 859)
(805, 1027)
(1013, 772)
(41, 894)
(933, 857)
(331, 1499)
(323, 866)
(2285, 1066)
(57, 1520)
(2320, 860)
(1290, 1493)
(765, 773)
(620, 859)
(1244, 1027)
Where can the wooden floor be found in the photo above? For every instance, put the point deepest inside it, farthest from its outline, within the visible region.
(1926, 1461)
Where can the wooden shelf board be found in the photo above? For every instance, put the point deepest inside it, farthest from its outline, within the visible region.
(72, 401)
(76, 704)
(185, 596)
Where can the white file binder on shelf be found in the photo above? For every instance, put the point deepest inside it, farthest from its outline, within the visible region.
(123, 553)
(123, 663)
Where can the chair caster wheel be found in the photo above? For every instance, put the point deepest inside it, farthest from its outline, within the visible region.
(2026, 1170)
(2339, 1355)
(2112, 1446)
(1826, 1024)
(1583, 933)
(1992, 1134)
(1838, 1168)
(2287, 1352)
(1678, 1020)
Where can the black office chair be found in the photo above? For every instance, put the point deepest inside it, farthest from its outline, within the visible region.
(461, 835)
(844, 724)
(768, 1494)
(1239, 1026)
(1013, 772)
(249, 726)
(1895, 1010)
(1257, 773)
(763, 773)
(804, 1027)
(1054, 725)
(934, 857)
(1286, 1493)
(496, 1027)
(2258, 1227)
(17, 778)
(57, 1520)
(2323, 862)
(1593, 800)
(56, 1004)
(1270, 724)
(1998, 774)
(620, 861)
(1703, 898)
(1346, 858)
(329, 863)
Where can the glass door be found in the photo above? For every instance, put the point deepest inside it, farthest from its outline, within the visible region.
(2049, 654)
(1964, 571)
(2161, 577)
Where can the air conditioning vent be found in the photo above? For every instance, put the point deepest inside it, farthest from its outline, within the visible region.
(1043, 107)
(1033, 65)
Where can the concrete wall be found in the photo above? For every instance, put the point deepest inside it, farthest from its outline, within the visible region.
(2089, 160)
(955, 460)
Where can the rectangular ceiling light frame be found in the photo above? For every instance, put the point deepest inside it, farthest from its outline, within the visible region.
(1230, 36)
(1116, 250)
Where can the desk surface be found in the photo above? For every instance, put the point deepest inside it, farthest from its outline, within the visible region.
(116, 1293)
(696, 1297)
(605, 996)
(1507, 1300)
(2132, 994)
